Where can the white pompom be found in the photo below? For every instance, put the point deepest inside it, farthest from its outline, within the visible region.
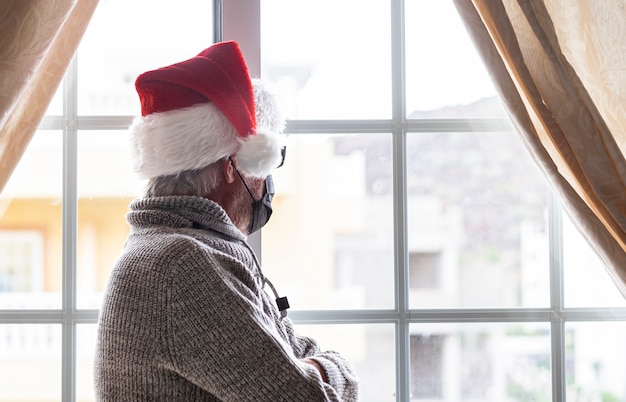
(259, 154)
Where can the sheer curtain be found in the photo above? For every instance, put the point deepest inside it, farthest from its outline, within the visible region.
(560, 68)
(38, 39)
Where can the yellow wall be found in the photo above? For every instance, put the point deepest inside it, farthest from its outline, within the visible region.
(43, 215)
(104, 219)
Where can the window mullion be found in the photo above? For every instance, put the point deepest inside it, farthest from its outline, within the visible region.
(218, 10)
(70, 212)
(401, 266)
(400, 199)
(555, 230)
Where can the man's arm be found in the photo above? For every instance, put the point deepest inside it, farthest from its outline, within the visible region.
(220, 338)
(334, 368)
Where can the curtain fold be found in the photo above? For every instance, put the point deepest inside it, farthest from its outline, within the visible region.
(38, 39)
(559, 68)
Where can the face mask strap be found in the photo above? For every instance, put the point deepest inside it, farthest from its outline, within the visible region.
(241, 177)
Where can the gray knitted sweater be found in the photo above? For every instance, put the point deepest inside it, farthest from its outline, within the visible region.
(185, 318)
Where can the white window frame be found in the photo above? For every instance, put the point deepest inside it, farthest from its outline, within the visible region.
(241, 21)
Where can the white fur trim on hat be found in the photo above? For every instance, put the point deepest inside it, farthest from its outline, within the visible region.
(191, 138)
(268, 114)
(259, 154)
(184, 139)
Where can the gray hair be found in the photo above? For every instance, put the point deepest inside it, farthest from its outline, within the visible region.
(199, 182)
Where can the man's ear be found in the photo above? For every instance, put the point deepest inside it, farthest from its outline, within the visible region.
(228, 169)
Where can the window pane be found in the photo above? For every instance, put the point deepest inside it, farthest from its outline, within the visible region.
(86, 335)
(586, 281)
(31, 227)
(30, 363)
(370, 349)
(56, 104)
(480, 362)
(477, 232)
(106, 186)
(124, 39)
(329, 244)
(444, 75)
(328, 59)
(594, 361)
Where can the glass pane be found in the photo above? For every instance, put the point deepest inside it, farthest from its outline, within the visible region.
(56, 104)
(594, 361)
(477, 234)
(369, 348)
(480, 362)
(586, 280)
(106, 186)
(86, 335)
(328, 59)
(124, 39)
(31, 227)
(329, 244)
(30, 366)
(444, 75)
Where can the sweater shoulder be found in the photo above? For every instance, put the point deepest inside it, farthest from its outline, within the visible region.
(159, 247)
(166, 252)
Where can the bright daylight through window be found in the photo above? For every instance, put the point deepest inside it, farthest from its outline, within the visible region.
(411, 230)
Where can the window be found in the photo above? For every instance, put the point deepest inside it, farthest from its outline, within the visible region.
(411, 232)
(21, 262)
(62, 212)
(424, 270)
(426, 366)
(31, 228)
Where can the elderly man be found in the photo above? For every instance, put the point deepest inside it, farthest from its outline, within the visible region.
(185, 315)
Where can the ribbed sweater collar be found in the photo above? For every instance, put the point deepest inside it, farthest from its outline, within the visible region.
(182, 212)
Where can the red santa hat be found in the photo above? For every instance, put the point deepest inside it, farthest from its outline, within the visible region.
(204, 109)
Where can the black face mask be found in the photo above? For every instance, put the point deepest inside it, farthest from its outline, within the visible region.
(262, 209)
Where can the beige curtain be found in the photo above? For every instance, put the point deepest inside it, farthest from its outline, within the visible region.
(37, 41)
(560, 68)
